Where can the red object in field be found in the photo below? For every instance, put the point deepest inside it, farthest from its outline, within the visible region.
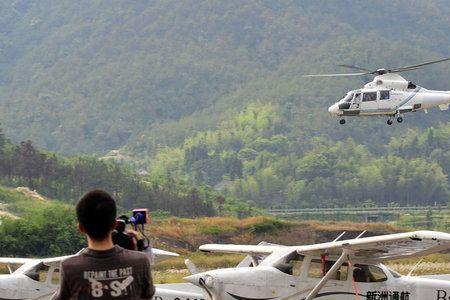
(324, 269)
(143, 211)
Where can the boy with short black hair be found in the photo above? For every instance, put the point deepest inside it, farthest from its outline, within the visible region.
(103, 271)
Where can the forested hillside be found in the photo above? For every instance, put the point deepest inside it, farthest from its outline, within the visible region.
(91, 76)
(257, 156)
(211, 94)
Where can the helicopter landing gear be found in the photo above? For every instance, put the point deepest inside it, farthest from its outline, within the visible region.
(389, 122)
(399, 119)
(342, 121)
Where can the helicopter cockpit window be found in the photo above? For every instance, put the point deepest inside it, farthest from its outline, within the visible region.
(368, 273)
(384, 95)
(372, 96)
(292, 264)
(411, 86)
(348, 97)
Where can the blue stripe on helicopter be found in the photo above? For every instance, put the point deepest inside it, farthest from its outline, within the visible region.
(416, 91)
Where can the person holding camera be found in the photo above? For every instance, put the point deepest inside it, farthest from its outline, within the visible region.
(122, 238)
(103, 270)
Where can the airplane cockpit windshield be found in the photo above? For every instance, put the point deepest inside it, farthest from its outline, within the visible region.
(44, 274)
(290, 264)
(394, 273)
(38, 273)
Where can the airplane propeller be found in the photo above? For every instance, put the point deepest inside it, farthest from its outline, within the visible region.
(378, 71)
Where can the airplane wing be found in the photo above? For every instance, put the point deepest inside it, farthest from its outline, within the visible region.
(241, 249)
(55, 261)
(160, 255)
(385, 247)
(27, 263)
(179, 291)
(14, 260)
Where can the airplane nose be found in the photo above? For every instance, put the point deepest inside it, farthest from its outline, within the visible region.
(194, 279)
(201, 279)
(334, 109)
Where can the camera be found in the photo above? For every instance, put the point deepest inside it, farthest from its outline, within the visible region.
(141, 216)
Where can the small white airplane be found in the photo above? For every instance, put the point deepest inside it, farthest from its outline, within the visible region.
(389, 94)
(39, 278)
(348, 269)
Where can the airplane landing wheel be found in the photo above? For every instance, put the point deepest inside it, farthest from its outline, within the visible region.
(389, 122)
(399, 119)
(342, 121)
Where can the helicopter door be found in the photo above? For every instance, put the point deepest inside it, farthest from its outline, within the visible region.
(384, 100)
(356, 103)
(369, 102)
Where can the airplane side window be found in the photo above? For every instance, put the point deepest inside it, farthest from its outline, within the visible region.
(369, 97)
(384, 95)
(296, 267)
(377, 274)
(315, 270)
(365, 273)
(55, 276)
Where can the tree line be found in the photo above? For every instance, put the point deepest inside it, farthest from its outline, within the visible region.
(67, 178)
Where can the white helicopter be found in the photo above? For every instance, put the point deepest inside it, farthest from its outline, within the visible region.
(39, 278)
(348, 269)
(389, 94)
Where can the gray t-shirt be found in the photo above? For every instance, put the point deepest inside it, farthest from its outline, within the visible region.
(112, 274)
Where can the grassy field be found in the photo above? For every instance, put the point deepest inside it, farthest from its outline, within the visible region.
(186, 235)
(173, 270)
(426, 219)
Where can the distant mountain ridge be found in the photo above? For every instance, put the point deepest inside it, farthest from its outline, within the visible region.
(92, 76)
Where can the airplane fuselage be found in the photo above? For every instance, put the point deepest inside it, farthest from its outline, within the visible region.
(270, 283)
(20, 286)
(278, 282)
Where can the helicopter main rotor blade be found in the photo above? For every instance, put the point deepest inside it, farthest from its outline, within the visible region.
(379, 71)
(336, 75)
(419, 66)
(355, 68)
